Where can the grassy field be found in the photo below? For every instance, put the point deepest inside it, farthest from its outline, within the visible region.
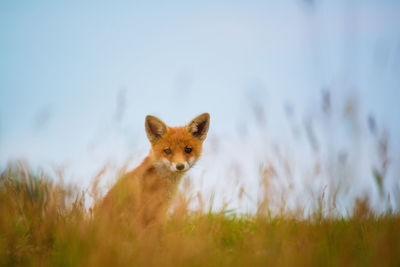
(44, 223)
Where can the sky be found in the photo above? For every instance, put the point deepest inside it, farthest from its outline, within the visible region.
(78, 78)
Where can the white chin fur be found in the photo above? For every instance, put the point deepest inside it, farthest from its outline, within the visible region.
(192, 161)
(166, 163)
(174, 169)
(172, 166)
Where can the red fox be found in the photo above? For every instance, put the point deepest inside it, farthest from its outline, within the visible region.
(146, 191)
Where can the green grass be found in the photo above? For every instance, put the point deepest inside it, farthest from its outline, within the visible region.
(44, 223)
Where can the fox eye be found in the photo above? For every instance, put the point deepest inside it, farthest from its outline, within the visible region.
(167, 151)
(188, 150)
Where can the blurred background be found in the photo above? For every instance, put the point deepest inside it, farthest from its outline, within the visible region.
(303, 95)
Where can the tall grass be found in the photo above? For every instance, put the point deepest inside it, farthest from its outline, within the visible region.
(45, 223)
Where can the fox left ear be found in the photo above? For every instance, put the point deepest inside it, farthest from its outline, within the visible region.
(198, 127)
(155, 128)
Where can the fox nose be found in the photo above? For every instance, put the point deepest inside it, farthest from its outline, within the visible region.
(180, 166)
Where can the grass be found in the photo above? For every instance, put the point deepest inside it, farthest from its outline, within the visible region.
(45, 223)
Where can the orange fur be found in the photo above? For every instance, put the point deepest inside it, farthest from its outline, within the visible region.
(146, 191)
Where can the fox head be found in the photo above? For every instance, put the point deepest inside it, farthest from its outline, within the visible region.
(176, 148)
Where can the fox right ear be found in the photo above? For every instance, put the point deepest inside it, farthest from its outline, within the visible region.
(155, 128)
(198, 127)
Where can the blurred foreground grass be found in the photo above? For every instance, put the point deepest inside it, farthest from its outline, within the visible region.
(45, 223)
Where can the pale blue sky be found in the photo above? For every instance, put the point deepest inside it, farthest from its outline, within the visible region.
(63, 66)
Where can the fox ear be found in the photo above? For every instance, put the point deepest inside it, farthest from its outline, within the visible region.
(155, 128)
(198, 127)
